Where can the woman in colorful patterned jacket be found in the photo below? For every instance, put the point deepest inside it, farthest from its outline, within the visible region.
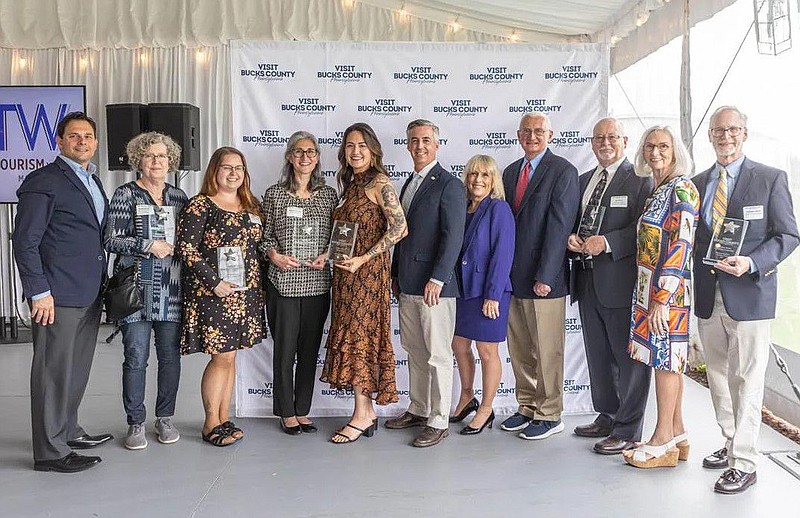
(662, 297)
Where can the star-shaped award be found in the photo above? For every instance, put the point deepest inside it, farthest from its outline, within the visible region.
(230, 255)
(344, 231)
(731, 227)
(307, 230)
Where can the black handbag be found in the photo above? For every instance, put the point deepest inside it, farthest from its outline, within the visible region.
(123, 296)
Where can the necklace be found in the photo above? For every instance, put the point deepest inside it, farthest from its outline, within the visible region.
(158, 198)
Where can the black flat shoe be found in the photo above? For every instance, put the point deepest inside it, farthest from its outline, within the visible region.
(308, 428)
(86, 441)
(290, 430)
(71, 463)
(468, 430)
(472, 406)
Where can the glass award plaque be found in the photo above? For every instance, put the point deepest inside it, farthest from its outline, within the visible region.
(726, 241)
(591, 220)
(304, 240)
(230, 266)
(158, 223)
(343, 240)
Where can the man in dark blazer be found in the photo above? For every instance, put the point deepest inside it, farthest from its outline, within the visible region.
(736, 297)
(58, 248)
(424, 281)
(543, 191)
(603, 274)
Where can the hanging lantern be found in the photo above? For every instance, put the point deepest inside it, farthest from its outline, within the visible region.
(773, 26)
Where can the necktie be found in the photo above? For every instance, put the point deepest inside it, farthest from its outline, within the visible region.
(522, 184)
(594, 201)
(720, 206)
(411, 190)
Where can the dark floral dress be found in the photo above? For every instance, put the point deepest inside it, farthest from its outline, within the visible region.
(214, 324)
(359, 348)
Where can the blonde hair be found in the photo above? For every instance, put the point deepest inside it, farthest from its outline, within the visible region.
(488, 163)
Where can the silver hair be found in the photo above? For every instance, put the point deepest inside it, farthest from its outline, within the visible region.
(137, 147)
(535, 115)
(287, 180)
(421, 123)
(618, 123)
(682, 162)
(490, 165)
(742, 116)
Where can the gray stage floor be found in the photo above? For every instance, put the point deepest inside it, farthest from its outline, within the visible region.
(271, 474)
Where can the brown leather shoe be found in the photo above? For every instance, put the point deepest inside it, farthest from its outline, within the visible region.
(430, 437)
(717, 460)
(405, 420)
(734, 481)
(592, 430)
(612, 446)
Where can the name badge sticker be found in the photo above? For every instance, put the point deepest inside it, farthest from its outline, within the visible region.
(145, 210)
(753, 212)
(255, 220)
(619, 202)
(294, 212)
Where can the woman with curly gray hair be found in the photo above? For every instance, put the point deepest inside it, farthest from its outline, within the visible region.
(141, 230)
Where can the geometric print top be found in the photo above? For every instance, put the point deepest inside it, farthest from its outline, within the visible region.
(665, 238)
(282, 213)
(127, 235)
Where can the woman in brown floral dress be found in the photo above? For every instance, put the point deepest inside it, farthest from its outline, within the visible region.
(359, 349)
(221, 226)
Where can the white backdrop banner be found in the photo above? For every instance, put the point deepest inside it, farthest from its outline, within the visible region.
(475, 93)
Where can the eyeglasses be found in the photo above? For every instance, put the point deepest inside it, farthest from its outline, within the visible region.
(649, 148)
(539, 132)
(310, 153)
(151, 156)
(733, 131)
(230, 168)
(599, 139)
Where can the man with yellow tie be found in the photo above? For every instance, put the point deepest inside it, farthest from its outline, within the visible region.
(736, 295)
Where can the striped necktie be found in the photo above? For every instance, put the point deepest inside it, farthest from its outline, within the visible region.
(720, 206)
(411, 190)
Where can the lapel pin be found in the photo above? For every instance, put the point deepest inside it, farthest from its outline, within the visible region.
(433, 178)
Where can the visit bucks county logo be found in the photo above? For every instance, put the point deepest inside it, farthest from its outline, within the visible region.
(495, 75)
(385, 107)
(460, 108)
(570, 138)
(344, 74)
(494, 140)
(308, 106)
(267, 72)
(420, 74)
(571, 74)
(266, 138)
(534, 105)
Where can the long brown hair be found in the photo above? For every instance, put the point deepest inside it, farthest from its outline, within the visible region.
(210, 186)
(345, 174)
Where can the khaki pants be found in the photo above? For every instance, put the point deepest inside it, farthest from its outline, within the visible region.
(536, 346)
(736, 355)
(426, 334)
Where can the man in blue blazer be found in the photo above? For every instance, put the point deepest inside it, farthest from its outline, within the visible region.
(603, 274)
(543, 191)
(736, 297)
(424, 281)
(58, 248)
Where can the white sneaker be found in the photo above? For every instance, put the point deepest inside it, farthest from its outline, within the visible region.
(166, 431)
(136, 439)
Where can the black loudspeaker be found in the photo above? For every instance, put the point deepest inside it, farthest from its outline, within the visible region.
(123, 122)
(181, 122)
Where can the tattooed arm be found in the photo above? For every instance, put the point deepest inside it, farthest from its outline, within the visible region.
(382, 192)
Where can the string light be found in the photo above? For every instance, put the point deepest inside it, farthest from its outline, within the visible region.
(615, 39)
(200, 56)
(642, 18)
(83, 62)
(22, 62)
(514, 36)
(143, 59)
(348, 4)
(455, 26)
(403, 15)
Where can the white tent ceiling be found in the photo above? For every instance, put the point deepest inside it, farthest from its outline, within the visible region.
(634, 27)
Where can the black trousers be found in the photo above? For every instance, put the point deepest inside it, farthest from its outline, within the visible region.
(619, 383)
(62, 359)
(296, 326)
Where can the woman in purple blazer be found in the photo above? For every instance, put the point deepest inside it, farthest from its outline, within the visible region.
(484, 275)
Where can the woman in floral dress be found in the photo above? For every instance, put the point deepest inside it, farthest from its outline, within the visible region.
(223, 310)
(662, 297)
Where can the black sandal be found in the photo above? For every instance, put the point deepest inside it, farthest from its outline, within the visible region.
(368, 432)
(217, 436)
(232, 429)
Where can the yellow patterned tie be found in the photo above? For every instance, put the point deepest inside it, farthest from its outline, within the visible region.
(720, 206)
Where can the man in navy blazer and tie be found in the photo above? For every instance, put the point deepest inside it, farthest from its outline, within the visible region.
(603, 275)
(424, 281)
(736, 297)
(543, 191)
(58, 248)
